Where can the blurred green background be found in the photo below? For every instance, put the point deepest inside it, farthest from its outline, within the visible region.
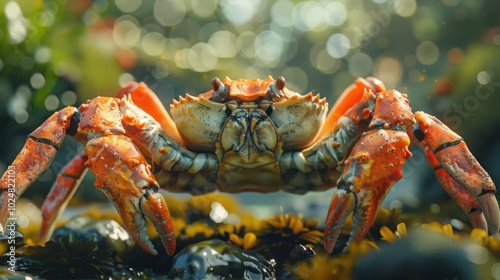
(445, 54)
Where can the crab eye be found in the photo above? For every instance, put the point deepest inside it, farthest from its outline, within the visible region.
(220, 92)
(280, 83)
(275, 89)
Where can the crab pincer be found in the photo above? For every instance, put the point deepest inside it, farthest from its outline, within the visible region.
(373, 166)
(125, 177)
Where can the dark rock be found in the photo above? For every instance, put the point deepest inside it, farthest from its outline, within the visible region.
(106, 233)
(216, 259)
(421, 255)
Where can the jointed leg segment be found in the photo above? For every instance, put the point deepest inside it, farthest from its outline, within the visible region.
(63, 189)
(38, 153)
(459, 172)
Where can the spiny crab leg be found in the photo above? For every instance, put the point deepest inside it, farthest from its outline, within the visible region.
(373, 166)
(125, 177)
(63, 189)
(453, 155)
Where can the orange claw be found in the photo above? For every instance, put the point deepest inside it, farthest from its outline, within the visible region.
(125, 177)
(60, 194)
(457, 161)
(373, 166)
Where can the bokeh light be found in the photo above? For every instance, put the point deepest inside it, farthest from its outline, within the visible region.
(268, 48)
(43, 54)
(176, 42)
(128, 6)
(426, 28)
(388, 69)
(338, 45)
(483, 77)
(51, 102)
(239, 12)
(202, 57)
(427, 53)
(245, 44)
(37, 80)
(203, 8)
(153, 43)
(224, 43)
(126, 31)
(68, 98)
(405, 8)
(169, 12)
(16, 22)
(360, 64)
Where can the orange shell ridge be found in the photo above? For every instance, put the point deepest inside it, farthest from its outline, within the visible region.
(248, 90)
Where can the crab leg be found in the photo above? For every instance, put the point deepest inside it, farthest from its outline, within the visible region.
(154, 143)
(125, 177)
(63, 189)
(37, 154)
(467, 202)
(453, 155)
(373, 166)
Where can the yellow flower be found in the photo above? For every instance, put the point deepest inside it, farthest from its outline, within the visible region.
(391, 218)
(196, 229)
(247, 223)
(290, 225)
(325, 266)
(478, 235)
(447, 229)
(248, 241)
(390, 236)
(493, 244)
(481, 237)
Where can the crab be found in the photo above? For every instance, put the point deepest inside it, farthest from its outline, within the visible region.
(247, 135)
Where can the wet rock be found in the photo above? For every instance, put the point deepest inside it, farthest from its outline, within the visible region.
(216, 259)
(421, 255)
(107, 233)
